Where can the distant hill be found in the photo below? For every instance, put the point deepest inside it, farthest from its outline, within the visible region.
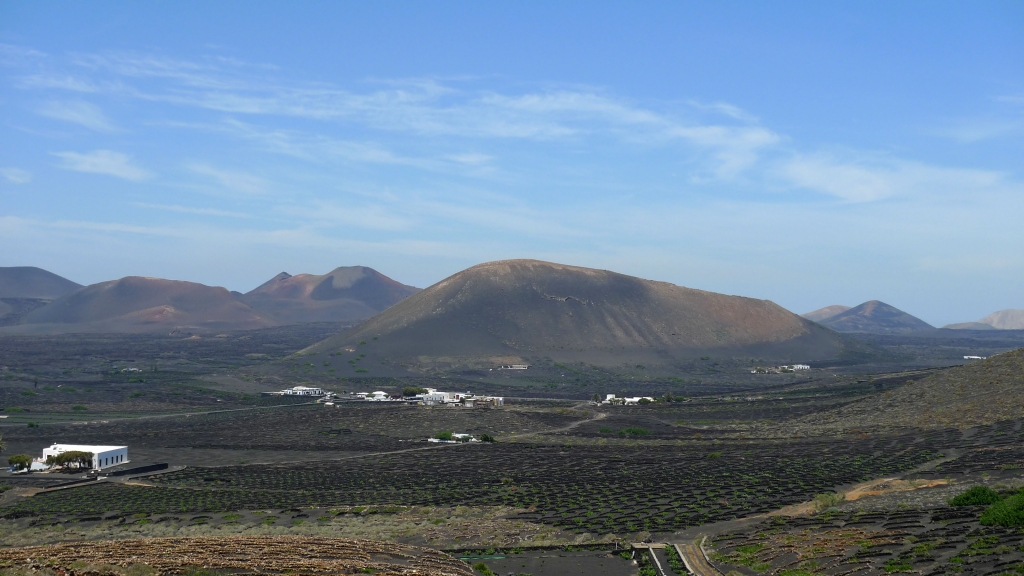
(875, 317)
(1005, 320)
(32, 282)
(1002, 320)
(137, 304)
(826, 312)
(980, 392)
(513, 310)
(346, 294)
(969, 326)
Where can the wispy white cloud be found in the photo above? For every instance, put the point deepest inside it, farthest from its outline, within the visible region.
(191, 210)
(232, 180)
(979, 129)
(871, 179)
(363, 216)
(726, 109)
(103, 162)
(16, 175)
(422, 106)
(471, 158)
(78, 112)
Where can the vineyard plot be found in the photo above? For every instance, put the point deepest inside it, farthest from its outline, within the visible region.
(599, 490)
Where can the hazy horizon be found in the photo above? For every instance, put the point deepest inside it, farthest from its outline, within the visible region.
(806, 154)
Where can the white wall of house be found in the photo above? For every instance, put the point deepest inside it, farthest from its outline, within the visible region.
(102, 456)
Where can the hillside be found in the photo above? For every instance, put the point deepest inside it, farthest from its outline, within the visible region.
(1002, 320)
(981, 392)
(511, 311)
(32, 282)
(346, 294)
(1005, 320)
(137, 304)
(875, 317)
(826, 312)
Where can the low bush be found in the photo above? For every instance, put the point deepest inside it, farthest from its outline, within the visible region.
(828, 500)
(976, 496)
(1007, 512)
(20, 461)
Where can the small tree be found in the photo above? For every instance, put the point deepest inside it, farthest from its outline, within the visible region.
(20, 461)
(444, 436)
(71, 459)
(413, 390)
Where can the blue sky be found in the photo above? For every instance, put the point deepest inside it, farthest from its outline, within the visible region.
(809, 153)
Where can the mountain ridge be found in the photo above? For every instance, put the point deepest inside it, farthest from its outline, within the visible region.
(876, 317)
(513, 309)
(345, 294)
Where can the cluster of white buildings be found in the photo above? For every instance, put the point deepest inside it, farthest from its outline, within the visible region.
(432, 397)
(298, 391)
(456, 437)
(611, 399)
(975, 357)
(780, 369)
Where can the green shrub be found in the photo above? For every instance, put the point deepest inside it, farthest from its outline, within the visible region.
(20, 461)
(634, 431)
(828, 500)
(975, 496)
(1008, 512)
(483, 569)
(443, 436)
(487, 438)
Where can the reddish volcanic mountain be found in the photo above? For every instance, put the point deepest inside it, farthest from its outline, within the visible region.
(346, 294)
(826, 312)
(137, 304)
(515, 309)
(875, 317)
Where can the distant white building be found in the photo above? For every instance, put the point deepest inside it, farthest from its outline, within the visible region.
(974, 357)
(433, 397)
(303, 391)
(611, 399)
(102, 456)
(514, 367)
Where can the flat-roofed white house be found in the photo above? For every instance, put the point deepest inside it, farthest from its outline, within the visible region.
(102, 456)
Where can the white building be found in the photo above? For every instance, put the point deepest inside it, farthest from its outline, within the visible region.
(303, 391)
(437, 397)
(102, 456)
(611, 399)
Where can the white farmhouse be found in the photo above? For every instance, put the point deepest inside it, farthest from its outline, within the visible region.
(102, 456)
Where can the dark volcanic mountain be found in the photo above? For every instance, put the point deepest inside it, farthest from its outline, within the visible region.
(826, 312)
(136, 304)
(26, 288)
(346, 294)
(505, 312)
(875, 317)
(32, 282)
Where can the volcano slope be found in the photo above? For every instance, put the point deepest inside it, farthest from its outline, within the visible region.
(981, 392)
(513, 311)
(875, 317)
(346, 294)
(138, 304)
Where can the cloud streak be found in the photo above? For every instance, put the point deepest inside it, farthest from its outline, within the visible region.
(105, 162)
(16, 175)
(77, 112)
